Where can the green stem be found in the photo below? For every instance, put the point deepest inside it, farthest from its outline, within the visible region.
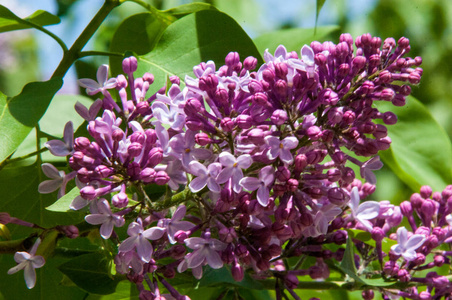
(74, 52)
(99, 53)
(52, 35)
(10, 247)
(26, 156)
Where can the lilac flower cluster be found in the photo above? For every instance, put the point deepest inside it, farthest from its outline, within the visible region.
(257, 164)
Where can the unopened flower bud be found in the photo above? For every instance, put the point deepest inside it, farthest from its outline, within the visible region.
(129, 65)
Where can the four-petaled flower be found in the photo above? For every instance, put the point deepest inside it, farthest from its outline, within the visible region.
(206, 176)
(60, 148)
(28, 262)
(102, 84)
(280, 148)
(105, 217)
(407, 246)
(261, 184)
(233, 168)
(59, 179)
(205, 250)
(175, 224)
(364, 212)
(138, 238)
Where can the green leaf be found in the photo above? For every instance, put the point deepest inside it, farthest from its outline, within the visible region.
(138, 33)
(21, 199)
(421, 152)
(9, 21)
(91, 272)
(18, 115)
(214, 277)
(124, 291)
(366, 238)
(318, 7)
(186, 9)
(202, 36)
(293, 39)
(62, 204)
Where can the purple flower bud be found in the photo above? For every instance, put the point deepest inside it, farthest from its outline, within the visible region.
(291, 281)
(180, 236)
(424, 296)
(406, 208)
(420, 259)
(232, 59)
(377, 234)
(389, 118)
(348, 117)
(129, 65)
(193, 107)
(426, 191)
(88, 192)
(403, 275)
(439, 260)
(281, 70)
(149, 78)
(244, 121)
(134, 149)
(155, 156)
(339, 237)
(161, 178)
(117, 135)
(202, 139)
(227, 124)
(81, 143)
(133, 169)
(120, 200)
(280, 87)
(314, 133)
(208, 83)
(358, 64)
(147, 175)
(256, 136)
(391, 268)
(237, 272)
(337, 196)
(367, 294)
(250, 63)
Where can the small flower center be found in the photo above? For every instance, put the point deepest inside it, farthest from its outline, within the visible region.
(281, 146)
(187, 150)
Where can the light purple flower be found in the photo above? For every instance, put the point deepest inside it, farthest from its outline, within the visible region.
(170, 116)
(280, 148)
(306, 63)
(205, 250)
(367, 167)
(206, 176)
(106, 218)
(175, 224)
(60, 148)
(322, 218)
(183, 147)
(91, 113)
(233, 168)
(407, 246)
(176, 173)
(59, 180)
(28, 262)
(138, 238)
(102, 84)
(364, 212)
(266, 178)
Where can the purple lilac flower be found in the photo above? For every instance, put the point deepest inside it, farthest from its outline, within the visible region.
(59, 180)
(281, 148)
(407, 245)
(233, 168)
(102, 84)
(138, 238)
(205, 250)
(261, 184)
(28, 262)
(175, 224)
(205, 176)
(60, 148)
(183, 147)
(364, 212)
(371, 165)
(91, 113)
(105, 217)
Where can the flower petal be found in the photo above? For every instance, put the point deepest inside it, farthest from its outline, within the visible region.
(214, 259)
(415, 241)
(368, 210)
(198, 184)
(49, 186)
(57, 148)
(154, 233)
(30, 276)
(250, 183)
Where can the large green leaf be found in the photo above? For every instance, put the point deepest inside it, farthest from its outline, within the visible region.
(9, 21)
(91, 272)
(421, 152)
(19, 114)
(214, 277)
(189, 8)
(21, 199)
(202, 36)
(293, 39)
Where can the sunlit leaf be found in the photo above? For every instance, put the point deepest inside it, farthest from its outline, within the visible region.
(414, 155)
(9, 21)
(19, 114)
(293, 39)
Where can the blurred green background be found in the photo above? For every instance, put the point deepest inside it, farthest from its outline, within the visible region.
(29, 55)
